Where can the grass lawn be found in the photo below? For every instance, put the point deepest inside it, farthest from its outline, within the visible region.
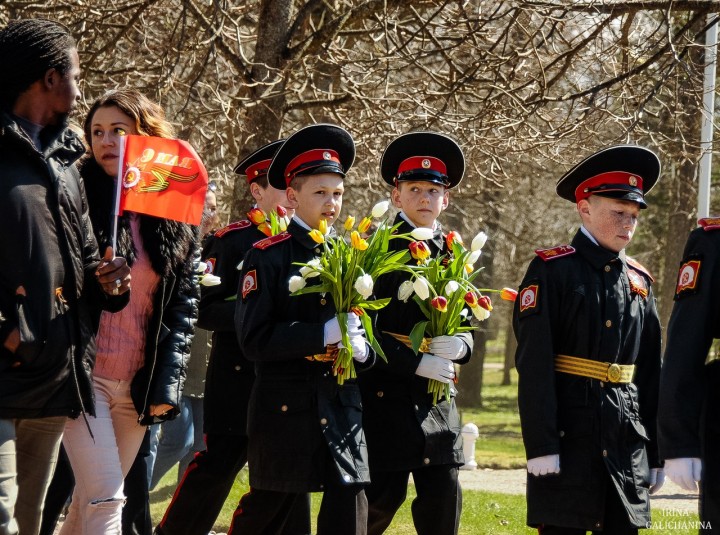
(484, 513)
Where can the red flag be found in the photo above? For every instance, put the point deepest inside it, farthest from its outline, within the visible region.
(163, 178)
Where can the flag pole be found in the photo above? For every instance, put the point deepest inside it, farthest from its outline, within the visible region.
(118, 191)
(708, 118)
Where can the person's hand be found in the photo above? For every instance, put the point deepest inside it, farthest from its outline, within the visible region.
(433, 367)
(542, 466)
(684, 472)
(113, 273)
(160, 410)
(657, 479)
(358, 346)
(447, 347)
(332, 328)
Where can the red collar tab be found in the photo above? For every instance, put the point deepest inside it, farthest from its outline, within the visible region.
(709, 223)
(605, 182)
(555, 252)
(310, 159)
(257, 170)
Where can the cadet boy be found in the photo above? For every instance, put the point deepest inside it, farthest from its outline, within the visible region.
(588, 358)
(688, 419)
(406, 433)
(305, 431)
(210, 476)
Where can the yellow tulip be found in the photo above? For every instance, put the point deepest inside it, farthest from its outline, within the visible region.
(349, 223)
(317, 236)
(322, 226)
(357, 242)
(364, 225)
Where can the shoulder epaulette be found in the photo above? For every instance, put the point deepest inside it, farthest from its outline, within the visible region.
(709, 223)
(237, 225)
(272, 240)
(637, 266)
(555, 252)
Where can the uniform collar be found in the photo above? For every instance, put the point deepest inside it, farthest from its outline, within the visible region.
(595, 254)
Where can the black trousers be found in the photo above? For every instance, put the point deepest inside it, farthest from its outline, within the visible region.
(206, 484)
(343, 510)
(616, 519)
(436, 509)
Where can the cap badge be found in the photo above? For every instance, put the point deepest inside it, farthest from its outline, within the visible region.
(633, 181)
(426, 163)
(326, 155)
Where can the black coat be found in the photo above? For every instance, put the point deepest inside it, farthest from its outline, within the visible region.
(230, 375)
(48, 288)
(585, 307)
(172, 248)
(298, 414)
(404, 429)
(689, 415)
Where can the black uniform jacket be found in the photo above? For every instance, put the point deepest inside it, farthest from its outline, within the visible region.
(688, 420)
(230, 375)
(298, 414)
(48, 288)
(404, 429)
(585, 305)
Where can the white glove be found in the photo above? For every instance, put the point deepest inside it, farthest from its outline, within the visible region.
(541, 466)
(657, 479)
(447, 347)
(684, 472)
(358, 345)
(332, 328)
(432, 367)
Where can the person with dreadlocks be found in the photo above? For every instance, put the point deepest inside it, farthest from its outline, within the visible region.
(53, 282)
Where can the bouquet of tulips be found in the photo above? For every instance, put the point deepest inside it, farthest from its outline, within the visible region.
(443, 288)
(347, 270)
(272, 224)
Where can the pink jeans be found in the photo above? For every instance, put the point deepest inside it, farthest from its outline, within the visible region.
(101, 465)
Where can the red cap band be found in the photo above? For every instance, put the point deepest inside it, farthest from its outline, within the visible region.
(419, 163)
(624, 181)
(257, 170)
(311, 159)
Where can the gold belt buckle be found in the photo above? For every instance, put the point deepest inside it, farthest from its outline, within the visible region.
(614, 373)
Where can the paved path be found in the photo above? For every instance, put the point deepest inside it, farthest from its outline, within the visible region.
(670, 498)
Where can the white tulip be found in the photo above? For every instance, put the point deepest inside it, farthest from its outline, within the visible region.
(464, 313)
(296, 283)
(480, 313)
(421, 288)
(405, 291)
(364, 285)
(422, 233)
(308, 273)
(451, 287)
(379, 209)
(201, 267)
(473, 257)
(210, 280)
(478, 241)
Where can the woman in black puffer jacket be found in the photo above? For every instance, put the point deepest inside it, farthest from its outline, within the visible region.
(141, 352)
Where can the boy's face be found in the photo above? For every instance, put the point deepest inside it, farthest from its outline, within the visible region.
(319, 197)
(612, 222)
(421, 201)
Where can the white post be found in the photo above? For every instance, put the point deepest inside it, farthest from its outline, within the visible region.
(470, 434)
(708, 116)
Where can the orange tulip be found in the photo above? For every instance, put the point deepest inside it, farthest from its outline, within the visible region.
(257, 216)
(508, 294)
(485, 303)
(439, 303)
(419, 250)
(453, 237)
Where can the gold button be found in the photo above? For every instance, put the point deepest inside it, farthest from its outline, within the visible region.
(604, 453)
(602, 384)
(284, 408)
(608, 323)
(598, 524)
(323, 301)
(562, 433)
(238, 368)
(607, 269)
(323, 421)
(416, 407)
(426, 460)
(380, 394)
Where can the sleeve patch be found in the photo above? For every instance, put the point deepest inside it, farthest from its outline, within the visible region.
(688, 277)
(528, 299)
(210, 265)
(250, 283)
(555, 252)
